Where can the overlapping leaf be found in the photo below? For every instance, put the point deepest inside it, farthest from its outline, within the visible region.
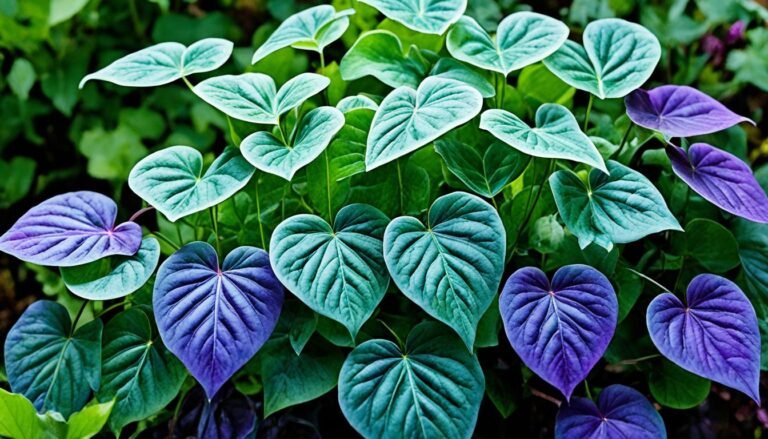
(379, 53)
(356, 102)
(425, 16)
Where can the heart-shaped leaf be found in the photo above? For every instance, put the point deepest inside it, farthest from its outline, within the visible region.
(621, 412)
(114, 277)
(408, 119)
(522, 39)
(314, 132)
(356, 102)
(714, 335)
(557, 135)
(172, 180)
(253, 97)
(164, 63)
(310, 29)
(617, 58)
(425, 16)
(559, 329)
(215, 318)
(71, 229)
(431, 388)
(452, 266)
(49, 363)
(379, 53)
(337, 271)
(610, 209)
(722, 179)
(679, 111)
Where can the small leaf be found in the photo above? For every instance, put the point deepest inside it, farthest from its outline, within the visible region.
(172, 180)
(230, 414)
(89, 421)
(425, 16)
(675, 388)
(356, 102)
(714, 335)
(432, 388)
(71, 229)
(19, 420)
(380, 54)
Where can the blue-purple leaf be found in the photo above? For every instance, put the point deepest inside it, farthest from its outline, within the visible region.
(71, 229)
(560, 329)
(215, 318)
(714, 335)
(230, 415)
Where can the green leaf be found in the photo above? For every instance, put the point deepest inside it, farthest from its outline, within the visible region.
(425, 16)
(164, 63)
(617, 58)
(337, 271)
(607, 210)
(113, 277)
(172, 180)
(753, 252)
(711, 245)
(539, 86)
(18, 176)
(522, 38)
(111, 154)
(315, 131)
(19, 419)
(628, 289)
(356, 102)
(297, 324)
(557, 135)
(501, 392)
(677, 388)
(89, 421)
(398, 128)
(546, 235)
(63, 10)
(380, 54)
(452, 266)
(138, 372)
(751, 63)
(449, 68)
(253, 97)
(21, 78)
(432, 387)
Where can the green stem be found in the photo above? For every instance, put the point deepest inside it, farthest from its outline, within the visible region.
(328, 185)
(394, 334)
(165, 239)
(648, 278)
(110, 308)
(625, 138)
(586, 387)
(189, 84)
(280, 130)
(501, 90)
(531, 207)
(77, 317)
(679, 274)
(214, 212)
(589, 111)
(400, 186)
(258, 215)
(322, 61)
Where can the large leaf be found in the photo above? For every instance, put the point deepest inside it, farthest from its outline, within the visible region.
(431, 388)
(559, 329)
(49, 363)
(71, 229)
(408, 119)
(172, 180)
(714, 334)
(557, 135)
(522, 38)
(337, 271)
(164, 63)
(617, 58)
(452, 266)
(610, 209)
(314, 132)
(379, 53)
(215, 318)
(425, 16)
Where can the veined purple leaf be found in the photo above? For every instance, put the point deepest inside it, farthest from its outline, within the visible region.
(722, 179)
(679, 111)
(71, 229)
(714, 335)
(215, 318)
(620, 412)
(560, 329)
(229, 415)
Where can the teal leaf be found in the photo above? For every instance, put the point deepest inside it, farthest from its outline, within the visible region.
(398, 128)
(115, 276)
(315, 131)
(172, 180)
(253, 97)
(379, 53)
(522, 39)
(164, 63)
(607, 210)
(432, 387)
(356, 102)
(556, 136)
(425, 16)
(449, 68)
(452, 266)
(617, 58)
(337, 271)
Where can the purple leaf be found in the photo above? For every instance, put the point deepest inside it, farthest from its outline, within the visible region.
(71, 229)
(679, 111)
(722, 179)
(715, 335)
(229, 415)
(215, 319)
(559, 329)
(621, 412)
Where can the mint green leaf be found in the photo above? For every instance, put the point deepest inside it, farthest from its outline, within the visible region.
(449, 68)
(21, 78)
(425, 16)
(615, 209)
(452, 266)
(677, 388)
(164, 63)
(398, 129)
(350, 103)
(315, 131)
(337, 271)
(431, 388)
(172, 180)
(556, 136)
(63, 10)
(380, 54)
(89, 421)
(617, 58)
(522, 38)
(115, 276)
(19, 419)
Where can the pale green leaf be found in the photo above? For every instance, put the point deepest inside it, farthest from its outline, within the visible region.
(21, 78)
(425, 16)
(380, 54)
(449, 68)
(350, 103)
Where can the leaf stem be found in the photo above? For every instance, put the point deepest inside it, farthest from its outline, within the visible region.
(165, 239)
(214, 212)
(394, 334)
(139, 213)
(529, 208)
(77, 317)
(625, 138)
(189, 84)
(589, 111)
(400, 186)
(648, 278)
(500, 90)
(328, 185)
(586, 388)
(258, 214)
(110, 308)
